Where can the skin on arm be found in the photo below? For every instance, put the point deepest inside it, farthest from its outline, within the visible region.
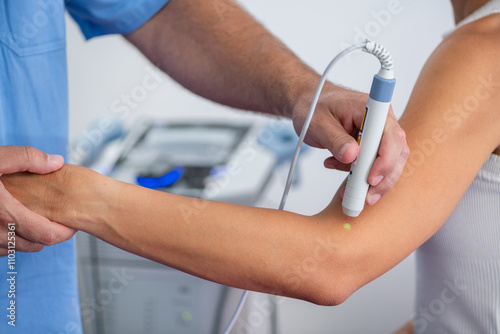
(217, 50)
(406, 329)
(326, 257)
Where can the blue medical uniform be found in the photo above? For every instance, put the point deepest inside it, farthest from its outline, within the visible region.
(34, 112)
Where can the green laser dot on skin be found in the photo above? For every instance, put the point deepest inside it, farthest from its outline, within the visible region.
(347, 226)
(187, 316)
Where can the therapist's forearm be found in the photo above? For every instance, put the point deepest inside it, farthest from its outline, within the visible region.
(218, 51)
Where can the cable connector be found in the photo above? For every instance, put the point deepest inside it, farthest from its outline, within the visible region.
(381, 53)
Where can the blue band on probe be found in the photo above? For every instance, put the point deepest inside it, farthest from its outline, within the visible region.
(382, 89)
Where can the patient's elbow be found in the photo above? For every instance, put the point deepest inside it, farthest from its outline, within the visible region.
(330, 295)
(321, 287)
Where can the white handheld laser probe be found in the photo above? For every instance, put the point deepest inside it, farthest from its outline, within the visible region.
(369, 138)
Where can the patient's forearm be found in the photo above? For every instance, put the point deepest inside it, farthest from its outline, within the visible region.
(251, 248)
(201, 237)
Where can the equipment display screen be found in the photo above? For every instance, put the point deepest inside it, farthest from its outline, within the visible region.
(188, 145)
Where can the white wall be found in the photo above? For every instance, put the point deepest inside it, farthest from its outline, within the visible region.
(105, 68)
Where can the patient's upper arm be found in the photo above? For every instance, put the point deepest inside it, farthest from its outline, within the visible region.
(452, 122)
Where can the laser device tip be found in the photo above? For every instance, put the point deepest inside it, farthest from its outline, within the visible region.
(350, 213)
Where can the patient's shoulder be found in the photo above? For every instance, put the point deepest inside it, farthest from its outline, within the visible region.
(474, 48)
(482, 36)
(463, 73)
(487, 25)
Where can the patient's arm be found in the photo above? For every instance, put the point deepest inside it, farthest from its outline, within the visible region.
(314, 258)
(406, 329)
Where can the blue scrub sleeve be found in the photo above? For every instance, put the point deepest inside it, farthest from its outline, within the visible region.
(102, 17)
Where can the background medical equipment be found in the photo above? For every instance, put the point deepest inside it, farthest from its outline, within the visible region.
(218, 160)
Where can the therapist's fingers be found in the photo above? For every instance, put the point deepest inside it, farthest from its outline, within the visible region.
(387, 183)
(335, 123)
(38, 229)
(335, 130)
(333, 163)
(19, 244)
(28, 226)
(389, 164)
(15, 159)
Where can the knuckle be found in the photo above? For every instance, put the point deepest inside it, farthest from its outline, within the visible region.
(334, 144)
(381, 189)
(48, 238)
(405, 152)
(401, 135)
(390, 181)
(36, 248)
(31, 153)
(5, 219)
(383, 166)
(384, 189)
(30, 247)
(393, 179)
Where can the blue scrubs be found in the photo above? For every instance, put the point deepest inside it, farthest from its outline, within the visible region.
(34, 112)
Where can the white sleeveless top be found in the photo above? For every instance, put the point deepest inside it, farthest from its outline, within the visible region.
(458, 269)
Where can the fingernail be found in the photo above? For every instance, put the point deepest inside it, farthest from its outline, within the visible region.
(377, 180)
(55, 160)
(374, 199)
(343, 149)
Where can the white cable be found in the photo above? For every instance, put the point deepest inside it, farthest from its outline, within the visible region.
(303, 132)
(310, 114)
(237, 312)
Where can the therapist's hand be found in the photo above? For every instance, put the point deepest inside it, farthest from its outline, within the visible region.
(32, 231)
(335, 126)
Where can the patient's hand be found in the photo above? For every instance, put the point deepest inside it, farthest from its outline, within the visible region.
(71, 196)
(32, 231)
(49, 195)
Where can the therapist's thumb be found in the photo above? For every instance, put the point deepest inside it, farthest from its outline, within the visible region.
(15, 159)
(342, 146)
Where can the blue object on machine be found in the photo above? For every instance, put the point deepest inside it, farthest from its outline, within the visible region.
(163, 181)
